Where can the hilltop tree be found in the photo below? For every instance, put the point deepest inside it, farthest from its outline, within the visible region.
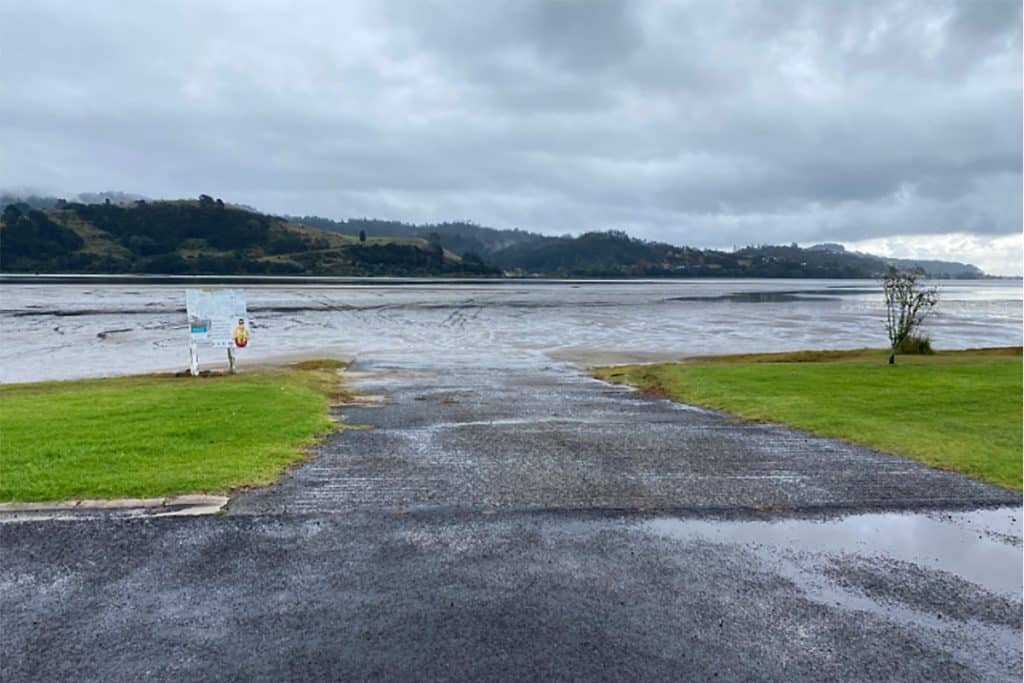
(11, 215)
(907, 304)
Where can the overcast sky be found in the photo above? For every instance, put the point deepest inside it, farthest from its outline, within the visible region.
(894, 126)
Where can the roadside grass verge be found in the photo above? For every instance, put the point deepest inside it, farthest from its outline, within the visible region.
(158, 435)
(955, 410)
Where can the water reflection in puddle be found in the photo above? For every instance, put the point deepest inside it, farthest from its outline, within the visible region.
(983, 547)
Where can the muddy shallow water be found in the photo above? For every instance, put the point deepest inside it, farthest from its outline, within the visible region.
(55, 331)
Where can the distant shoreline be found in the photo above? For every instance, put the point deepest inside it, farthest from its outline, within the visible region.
(98, 278)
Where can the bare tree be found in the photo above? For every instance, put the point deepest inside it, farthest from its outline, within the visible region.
(907, 304)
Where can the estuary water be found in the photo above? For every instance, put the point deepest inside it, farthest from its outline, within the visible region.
(86, 328)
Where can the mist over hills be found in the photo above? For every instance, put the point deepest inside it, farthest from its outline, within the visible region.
(114, 232)
(36, 201)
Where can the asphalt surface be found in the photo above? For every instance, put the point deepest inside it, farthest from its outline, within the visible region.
(535, 525)
(480, 439)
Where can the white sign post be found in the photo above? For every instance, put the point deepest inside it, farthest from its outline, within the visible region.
(216, 317)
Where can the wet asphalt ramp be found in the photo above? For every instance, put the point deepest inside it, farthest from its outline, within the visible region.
(549, 438)
(463, 596)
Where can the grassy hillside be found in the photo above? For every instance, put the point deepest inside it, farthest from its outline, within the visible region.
(204, 236)
(460, 237)
(207, 236)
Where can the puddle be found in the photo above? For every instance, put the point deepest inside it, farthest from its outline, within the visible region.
(982, 547)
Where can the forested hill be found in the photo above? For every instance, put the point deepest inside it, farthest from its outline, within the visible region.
(616, 254)
(204, 236)
(209, 236)
(459, 237)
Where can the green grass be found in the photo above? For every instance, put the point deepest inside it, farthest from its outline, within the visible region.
(954, 410)
(158, 435)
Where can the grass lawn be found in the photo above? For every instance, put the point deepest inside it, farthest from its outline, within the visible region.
(957, 410)
(156, 435)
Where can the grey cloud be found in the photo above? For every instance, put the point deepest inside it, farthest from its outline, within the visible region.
(708, 123)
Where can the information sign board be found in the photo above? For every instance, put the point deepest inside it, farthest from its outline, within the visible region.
(217, 317)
